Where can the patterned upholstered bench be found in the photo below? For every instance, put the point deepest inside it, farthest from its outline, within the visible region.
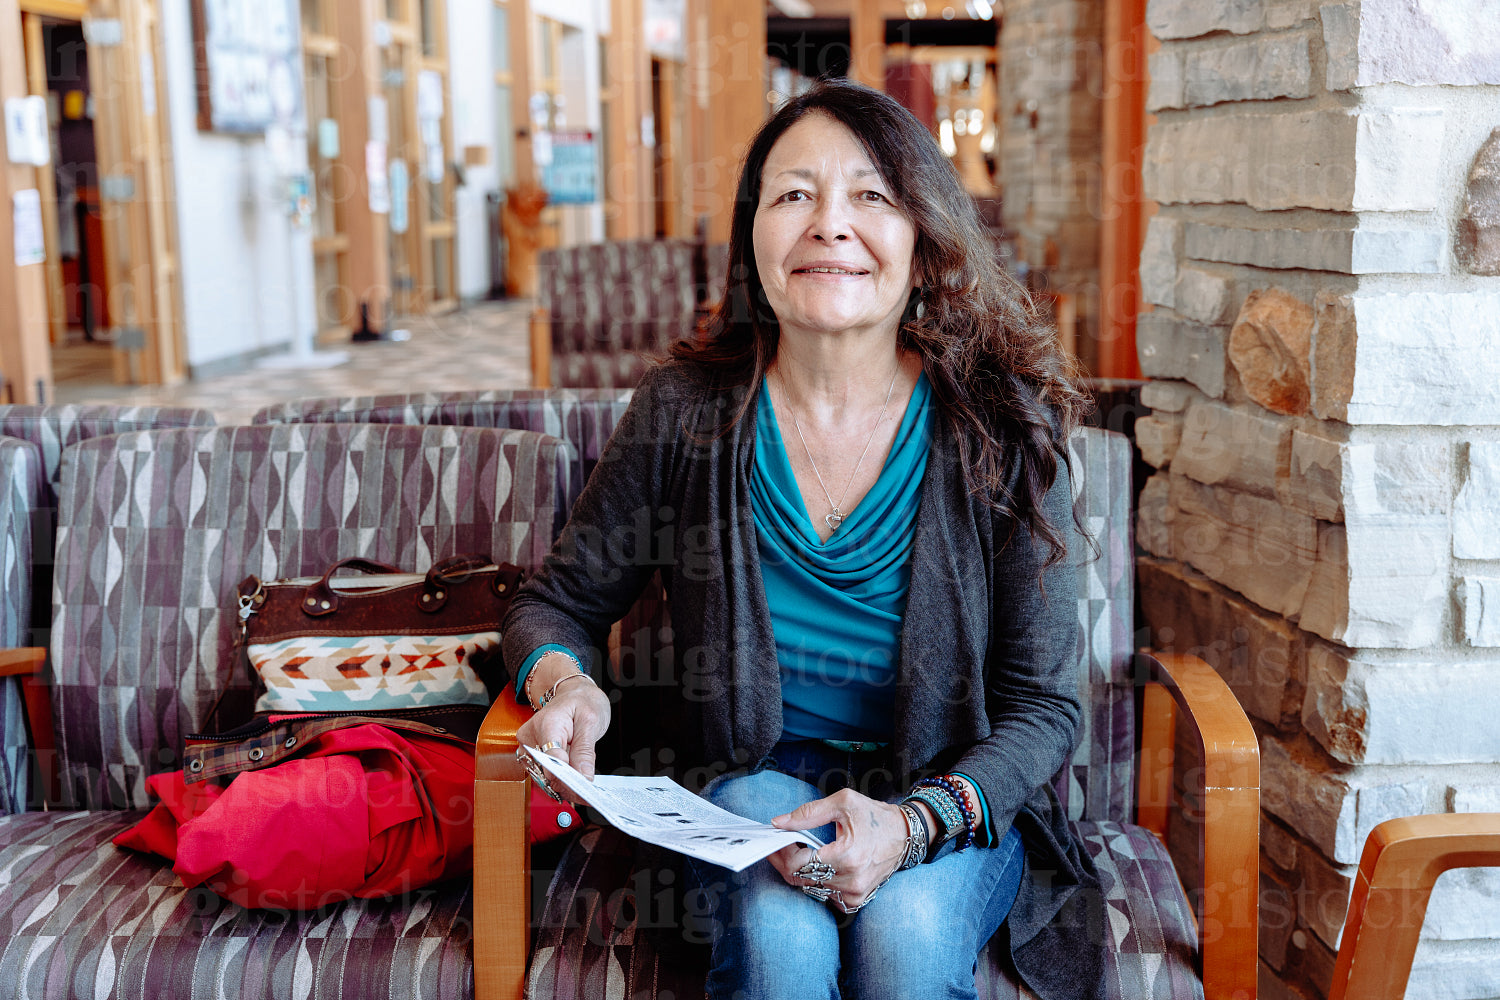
(38, 435)
(154, 530)
(604, 310)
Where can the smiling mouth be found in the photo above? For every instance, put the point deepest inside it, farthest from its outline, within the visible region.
(829, 270)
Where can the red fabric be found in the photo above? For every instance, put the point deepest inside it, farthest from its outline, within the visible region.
(550, 818)
(366, 811)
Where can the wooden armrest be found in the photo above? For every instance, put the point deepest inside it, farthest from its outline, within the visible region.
(541, 349)
(502, 855)
(1230, 789)
(26, 661)
(495, 748)
(1401, 861)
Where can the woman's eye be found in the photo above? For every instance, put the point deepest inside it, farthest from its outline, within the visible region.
(874, 196)
(793, 196)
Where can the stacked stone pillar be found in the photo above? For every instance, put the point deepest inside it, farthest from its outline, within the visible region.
(1324, 521)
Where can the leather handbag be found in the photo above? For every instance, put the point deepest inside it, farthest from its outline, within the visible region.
(374, 687)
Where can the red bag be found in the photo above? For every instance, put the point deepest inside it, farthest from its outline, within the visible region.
(365, 811)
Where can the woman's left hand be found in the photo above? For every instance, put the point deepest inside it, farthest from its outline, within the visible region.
(870, 841)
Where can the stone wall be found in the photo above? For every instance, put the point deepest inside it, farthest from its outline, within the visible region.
(1050, 108)
(1324, 521)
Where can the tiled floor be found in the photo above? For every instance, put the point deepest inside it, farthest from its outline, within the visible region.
(482, 347)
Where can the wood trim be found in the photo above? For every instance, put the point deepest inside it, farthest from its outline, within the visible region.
(46, 183)
(1229, 788)
(338, 243)
(1401, 861)
(541, 349)
(67, 10)
(1156, 756)
(25, 362)
(502, 855)
(28, 664)
(23, 661)
(867, 43)
(1121, 227)
(326, 46)
(438, 231)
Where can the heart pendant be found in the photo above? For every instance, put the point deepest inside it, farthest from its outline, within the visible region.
(834, 520)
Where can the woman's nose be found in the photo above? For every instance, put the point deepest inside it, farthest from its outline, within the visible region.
(829, 224)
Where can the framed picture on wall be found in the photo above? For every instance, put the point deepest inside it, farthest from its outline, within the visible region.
(249, 64)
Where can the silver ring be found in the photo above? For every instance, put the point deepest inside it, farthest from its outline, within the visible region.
(818, 892)
(550, 745)
(816, 870)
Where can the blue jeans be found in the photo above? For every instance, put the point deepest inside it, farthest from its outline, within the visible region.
(919, 937)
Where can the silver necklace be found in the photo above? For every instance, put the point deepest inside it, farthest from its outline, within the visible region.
(836, 517)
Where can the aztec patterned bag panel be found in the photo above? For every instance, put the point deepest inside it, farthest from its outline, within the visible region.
(387, 641)
(371, 672)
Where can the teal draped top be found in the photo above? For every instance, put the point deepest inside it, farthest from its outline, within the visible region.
(836, 607)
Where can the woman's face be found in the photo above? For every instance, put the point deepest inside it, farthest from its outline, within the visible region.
(833, 249)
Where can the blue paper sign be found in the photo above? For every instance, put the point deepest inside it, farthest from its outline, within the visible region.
(572, 178)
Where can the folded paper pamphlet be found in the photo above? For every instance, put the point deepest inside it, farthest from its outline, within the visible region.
(662, 812)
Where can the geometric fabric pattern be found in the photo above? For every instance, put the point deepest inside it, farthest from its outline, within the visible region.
(582, 418)
(82, 918)
(1098, 783)
(20, 489)
(334, 673)
(602, 936)
(156, 528)
(611, 305)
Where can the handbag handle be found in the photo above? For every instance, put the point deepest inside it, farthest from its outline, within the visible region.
(320, 598)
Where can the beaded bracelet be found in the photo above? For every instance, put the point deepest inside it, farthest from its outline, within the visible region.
(943, 806)
(916, 838)
(971, 821)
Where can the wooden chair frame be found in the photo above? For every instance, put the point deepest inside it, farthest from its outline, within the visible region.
(1230, 789)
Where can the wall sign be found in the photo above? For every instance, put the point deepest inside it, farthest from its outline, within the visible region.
(26, 211)
(249, 64)
(572, 175)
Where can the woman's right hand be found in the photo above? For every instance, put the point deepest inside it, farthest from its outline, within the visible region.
(575, 718)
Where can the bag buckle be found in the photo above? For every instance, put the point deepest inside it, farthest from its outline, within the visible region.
(249, 604)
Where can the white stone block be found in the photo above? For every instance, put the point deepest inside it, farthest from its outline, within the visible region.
(1422, 358)
(1481, 604)
(1441, 971)
(1203, 295)
(1427, 42)
(1172, 348)
(1166, 89)
(1409, 712)
(1397, 251)
(1389, 474)
(1330, 159)
(1168, 396)
(1475, 799)
(1380, 581)
(1465, 905)
(1345, 250)
(1476, 511)
(1256, 69)
(1223, 446)
(1393, 153)
(1158, 437)
(1160, 252)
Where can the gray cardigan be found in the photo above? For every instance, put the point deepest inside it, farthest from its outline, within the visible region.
(671, 494)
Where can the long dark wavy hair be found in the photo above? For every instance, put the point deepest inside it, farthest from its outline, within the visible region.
(994, 364)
